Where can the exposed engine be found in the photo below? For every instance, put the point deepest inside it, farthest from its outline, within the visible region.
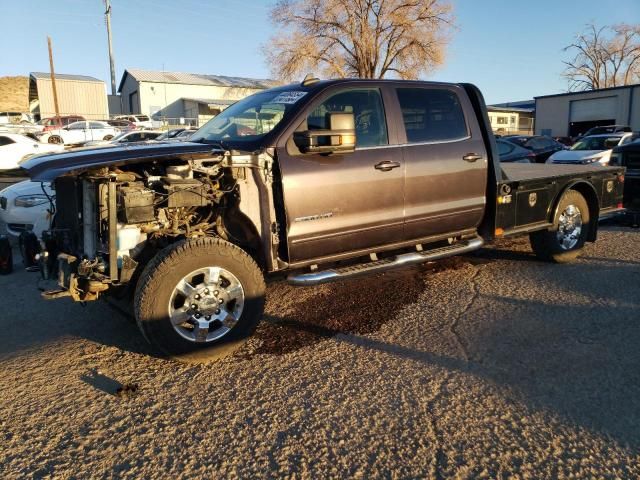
(109, 220)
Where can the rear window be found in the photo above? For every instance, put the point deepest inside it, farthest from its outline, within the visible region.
(142, 118)
(431, 115)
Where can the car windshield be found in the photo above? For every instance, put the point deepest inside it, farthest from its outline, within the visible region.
(250, 118)
(596, 143)
(119, 136)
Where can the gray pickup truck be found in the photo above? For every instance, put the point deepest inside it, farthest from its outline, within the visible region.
(323, 180)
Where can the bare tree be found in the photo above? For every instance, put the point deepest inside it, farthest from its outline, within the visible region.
(359, 38)
(604, 57)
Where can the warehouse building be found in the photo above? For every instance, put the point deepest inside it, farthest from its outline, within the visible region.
(77, 95)
(174, 95)
(572, 114)
(507, 119)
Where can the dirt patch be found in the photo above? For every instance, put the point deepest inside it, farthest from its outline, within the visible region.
(297, 317)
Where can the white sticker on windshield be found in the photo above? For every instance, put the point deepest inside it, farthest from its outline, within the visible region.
(289, 97)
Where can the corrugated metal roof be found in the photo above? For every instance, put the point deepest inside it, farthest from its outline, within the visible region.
(64, 76)
(195, 79)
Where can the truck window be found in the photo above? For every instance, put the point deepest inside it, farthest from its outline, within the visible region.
(431, 115)
(365, 104)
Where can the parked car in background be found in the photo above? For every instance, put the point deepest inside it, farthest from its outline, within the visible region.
(122, 125)
(592, 149)
(53, 123)
(127, 137)
(566, 141)
(541, 146)
(78, 133)
(510, 152)
(24, 207)
(184, 135)
(628, 155)
(140, 121)
(15, 147)
(15, 118)
(607, 129)
(169, 134)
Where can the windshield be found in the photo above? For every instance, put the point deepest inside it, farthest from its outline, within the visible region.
(250, 118)
(119, 136)
(596, 143)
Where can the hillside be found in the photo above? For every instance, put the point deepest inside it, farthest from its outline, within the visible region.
(14, 94)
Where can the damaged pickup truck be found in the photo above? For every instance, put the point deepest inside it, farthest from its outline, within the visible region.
(322, 180)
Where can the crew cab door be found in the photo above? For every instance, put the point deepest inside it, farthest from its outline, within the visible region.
(343, 202)
(446, 161)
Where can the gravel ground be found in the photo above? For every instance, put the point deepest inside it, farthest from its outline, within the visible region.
(492, 365)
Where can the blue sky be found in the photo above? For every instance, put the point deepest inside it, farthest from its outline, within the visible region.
(511, 49)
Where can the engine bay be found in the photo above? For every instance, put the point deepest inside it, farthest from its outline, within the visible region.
(109, 220)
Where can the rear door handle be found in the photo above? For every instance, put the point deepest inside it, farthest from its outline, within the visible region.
(386, 165)
(472, 157)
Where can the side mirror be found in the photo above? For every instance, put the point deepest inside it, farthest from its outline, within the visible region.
(340, 137)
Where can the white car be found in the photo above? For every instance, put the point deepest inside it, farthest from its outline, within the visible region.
(15, 147)
(140, 121)
(593, 149)
(25, 207)
(15, 117)
(127, 137)
(77, 133)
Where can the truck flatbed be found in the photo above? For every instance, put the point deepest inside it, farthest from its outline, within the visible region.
(519, 172)
(528, 193)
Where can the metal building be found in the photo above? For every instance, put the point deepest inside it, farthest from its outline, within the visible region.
(571, 114)
(77, 95)
(176, 95)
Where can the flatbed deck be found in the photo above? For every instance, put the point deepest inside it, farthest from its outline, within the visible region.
(518, 172)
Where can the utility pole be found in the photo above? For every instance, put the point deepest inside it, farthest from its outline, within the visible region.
(53, 82)
(107, 15)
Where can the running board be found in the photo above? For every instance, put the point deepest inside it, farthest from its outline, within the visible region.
(331, 275)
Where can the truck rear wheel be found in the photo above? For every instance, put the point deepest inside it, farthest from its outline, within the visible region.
(563, 243)
(199, 300)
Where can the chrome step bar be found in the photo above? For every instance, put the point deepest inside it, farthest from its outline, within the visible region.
(341, 273)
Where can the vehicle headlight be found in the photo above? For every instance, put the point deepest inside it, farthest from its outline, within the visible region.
(28, 201)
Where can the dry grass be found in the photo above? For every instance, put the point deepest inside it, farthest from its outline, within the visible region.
(14, 94)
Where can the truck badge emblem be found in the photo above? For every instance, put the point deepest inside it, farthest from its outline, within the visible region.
(533, 198)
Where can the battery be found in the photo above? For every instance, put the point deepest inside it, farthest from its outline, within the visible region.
(185, 192)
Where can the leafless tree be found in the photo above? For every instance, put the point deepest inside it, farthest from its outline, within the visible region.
(604, 57)
(359, 38)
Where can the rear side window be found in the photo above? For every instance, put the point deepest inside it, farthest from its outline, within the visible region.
(431, 115)
(95, 125)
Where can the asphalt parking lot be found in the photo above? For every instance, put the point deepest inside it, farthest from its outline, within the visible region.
(492, 365)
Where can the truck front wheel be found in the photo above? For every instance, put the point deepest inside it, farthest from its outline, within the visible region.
(564, 241)
(199, 299)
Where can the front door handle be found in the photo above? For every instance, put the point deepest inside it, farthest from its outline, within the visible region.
(472, 157)
(386, 165)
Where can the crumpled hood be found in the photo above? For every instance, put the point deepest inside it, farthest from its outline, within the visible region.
(46, 168)
(573, 155)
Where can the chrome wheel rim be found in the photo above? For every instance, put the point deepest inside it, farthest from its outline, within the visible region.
(206, 304)
(569, 227)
